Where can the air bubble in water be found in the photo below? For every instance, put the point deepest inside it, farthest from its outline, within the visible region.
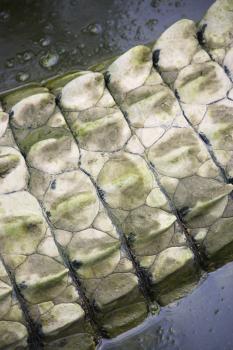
(22, 76)
(10, 63)
(45, 41)
(27, 56)
(4, 16)
(49, 60)
(93, 28)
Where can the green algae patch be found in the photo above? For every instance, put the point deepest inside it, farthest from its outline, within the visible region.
(105, 251)
(204, 207)
(8, 162)
(5, 292)
(152, 229)
(102, 67)
(11, 97)
(171, 44)
(148, 105)
(108, 250)
(60, 318)
(55, 84)
(174, 274)
(21, 234)
(126, 181)
(101, 130)
(205, 200)
(217, 125)
(202, 83)
(33, 111)
(73, 204)
(13, 335)
(94, 253)
(42, 133)
(215, 243)
(67, 208)
(41, 278)
(81, 341)
(48, 281)
(120, 305)
(130, 70)
(124, 319)
(85, 130)
(83, 92)
(176, 154)
(218, 25)
(122, 290)
(90, 127)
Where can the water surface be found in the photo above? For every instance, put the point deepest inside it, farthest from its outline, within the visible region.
(40, 38)
(203, 320)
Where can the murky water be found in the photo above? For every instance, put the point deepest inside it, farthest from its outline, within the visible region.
(201, 321)
(40, 38)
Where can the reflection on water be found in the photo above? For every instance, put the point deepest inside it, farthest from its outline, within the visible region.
(201, 321)
(41, 38)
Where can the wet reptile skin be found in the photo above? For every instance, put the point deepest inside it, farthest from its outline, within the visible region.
(116, 188)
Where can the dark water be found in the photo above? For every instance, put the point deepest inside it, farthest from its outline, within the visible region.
(40, 38)
(201, 321)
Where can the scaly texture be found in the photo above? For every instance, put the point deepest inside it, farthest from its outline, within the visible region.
(113, 155)
(200, 194)
(13, 333)
(117, 197)
(184, 166)
(78, 219)
(216, 33)
(202, 87)
(27, 245)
